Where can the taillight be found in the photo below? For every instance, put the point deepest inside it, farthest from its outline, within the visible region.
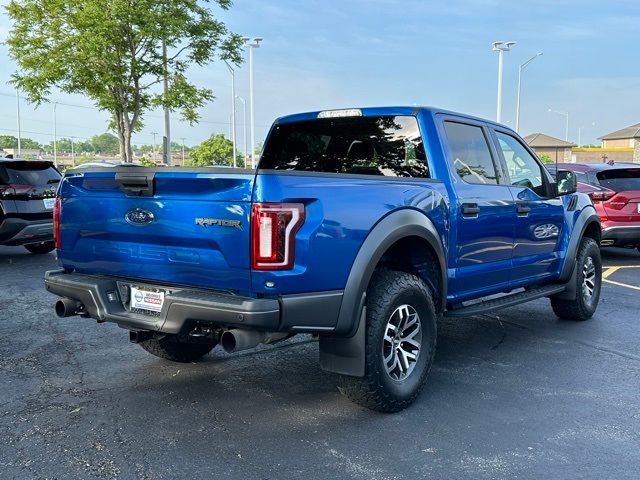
(602, 195)
(56, 222)
(15, 189)
(273, 230)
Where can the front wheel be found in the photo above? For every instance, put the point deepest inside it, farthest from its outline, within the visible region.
(40, 248)
(589, 282)
(400, 343)
(174, 348)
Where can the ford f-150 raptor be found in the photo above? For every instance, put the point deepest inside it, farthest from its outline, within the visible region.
(362, 226)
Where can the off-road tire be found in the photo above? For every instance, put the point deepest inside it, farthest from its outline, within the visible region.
(377, 391)
(172, 347)
(41, 248)
(581, 309)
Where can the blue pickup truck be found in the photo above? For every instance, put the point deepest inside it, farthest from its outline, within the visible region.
(361, 226)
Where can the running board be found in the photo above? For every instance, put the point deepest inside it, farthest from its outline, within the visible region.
(505, 302)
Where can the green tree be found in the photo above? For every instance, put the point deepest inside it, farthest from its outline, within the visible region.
(112, 51)
(544, 158)
(9, 141)
(104, 143)
(216, 150)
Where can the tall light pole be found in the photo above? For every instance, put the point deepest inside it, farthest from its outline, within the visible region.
(500, 47)
(252, 43)
(55, 135)
(153, 152)
(233, 111)
(183, 139)
(593, 124)
(18, 116)
(167, 120)
(520, 69)
(566, 130)
(73, 155)
(244, 127)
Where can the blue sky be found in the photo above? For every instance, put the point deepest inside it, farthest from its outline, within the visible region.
(331, 54)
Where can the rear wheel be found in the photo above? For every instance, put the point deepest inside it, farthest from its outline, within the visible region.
(399, 346)
(589, 282)
(41, 248)
(176, 349)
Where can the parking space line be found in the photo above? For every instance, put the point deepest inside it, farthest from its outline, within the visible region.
(610, 270)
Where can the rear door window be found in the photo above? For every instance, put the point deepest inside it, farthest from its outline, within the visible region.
(29, 173)
(371, 145)
(470, 153)
(620, 179)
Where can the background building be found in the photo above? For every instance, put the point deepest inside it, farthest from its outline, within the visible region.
(556, 149)
(628, 137)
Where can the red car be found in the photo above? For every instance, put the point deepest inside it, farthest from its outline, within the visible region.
(615, 192)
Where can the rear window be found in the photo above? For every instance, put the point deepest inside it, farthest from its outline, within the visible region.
(28, 173)
(620, 180)
(385, 145)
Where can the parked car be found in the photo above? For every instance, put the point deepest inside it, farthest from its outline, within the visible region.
(362, 226)
(615, 192)
(27, 196)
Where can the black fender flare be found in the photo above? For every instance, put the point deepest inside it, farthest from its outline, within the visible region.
(587, 217)
(343, 351)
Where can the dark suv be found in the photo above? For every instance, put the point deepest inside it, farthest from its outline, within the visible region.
(27, 195)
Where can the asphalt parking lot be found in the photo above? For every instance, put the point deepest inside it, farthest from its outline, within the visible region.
(515, 395)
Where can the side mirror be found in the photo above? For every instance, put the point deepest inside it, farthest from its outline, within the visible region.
(567, 182)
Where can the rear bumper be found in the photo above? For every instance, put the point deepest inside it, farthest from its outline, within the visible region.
(627, 236)
(105, 299)
(18, 231)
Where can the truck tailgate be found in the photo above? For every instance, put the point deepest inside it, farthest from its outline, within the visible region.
(191, 228)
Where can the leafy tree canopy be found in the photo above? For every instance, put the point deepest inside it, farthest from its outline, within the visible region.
(9, 141)
(112, 52)
(216, 150)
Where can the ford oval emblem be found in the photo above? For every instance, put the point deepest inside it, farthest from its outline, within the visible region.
(139, 216)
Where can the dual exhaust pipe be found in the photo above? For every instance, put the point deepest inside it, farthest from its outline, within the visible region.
(234, 340)
(67, 307)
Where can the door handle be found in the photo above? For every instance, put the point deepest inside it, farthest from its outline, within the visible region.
(523, 210)
(470, 210)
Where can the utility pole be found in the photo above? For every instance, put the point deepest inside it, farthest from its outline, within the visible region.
(55, 135)
(153, 152)
(244, 127)
(233, 111)
(520, 69)
(251, 44)
(19, 129)
(167, 120)
(183, 139)
(73, 155)
(566, 130)
(500, 47)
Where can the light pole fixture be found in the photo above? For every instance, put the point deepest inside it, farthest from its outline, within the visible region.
(244, 127)
(593, 124)
(233, 111)
(55, 135)
(153, 152)
(500, 47)
(566, 115)
(520, 69)
(251, 44)
(19, 129)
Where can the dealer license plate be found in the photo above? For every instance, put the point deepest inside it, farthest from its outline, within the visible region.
(146, 299)
(49, 202)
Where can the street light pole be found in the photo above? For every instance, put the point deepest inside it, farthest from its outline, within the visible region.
(73, 155)
(183, 139)
(500, 47)
(55, 135)
(233, 111)
(593, 124)
(167, 119)
(252, 43)
(244, 128)
(566, 130)
(520, 69)
(19, 129)
(153, 152)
